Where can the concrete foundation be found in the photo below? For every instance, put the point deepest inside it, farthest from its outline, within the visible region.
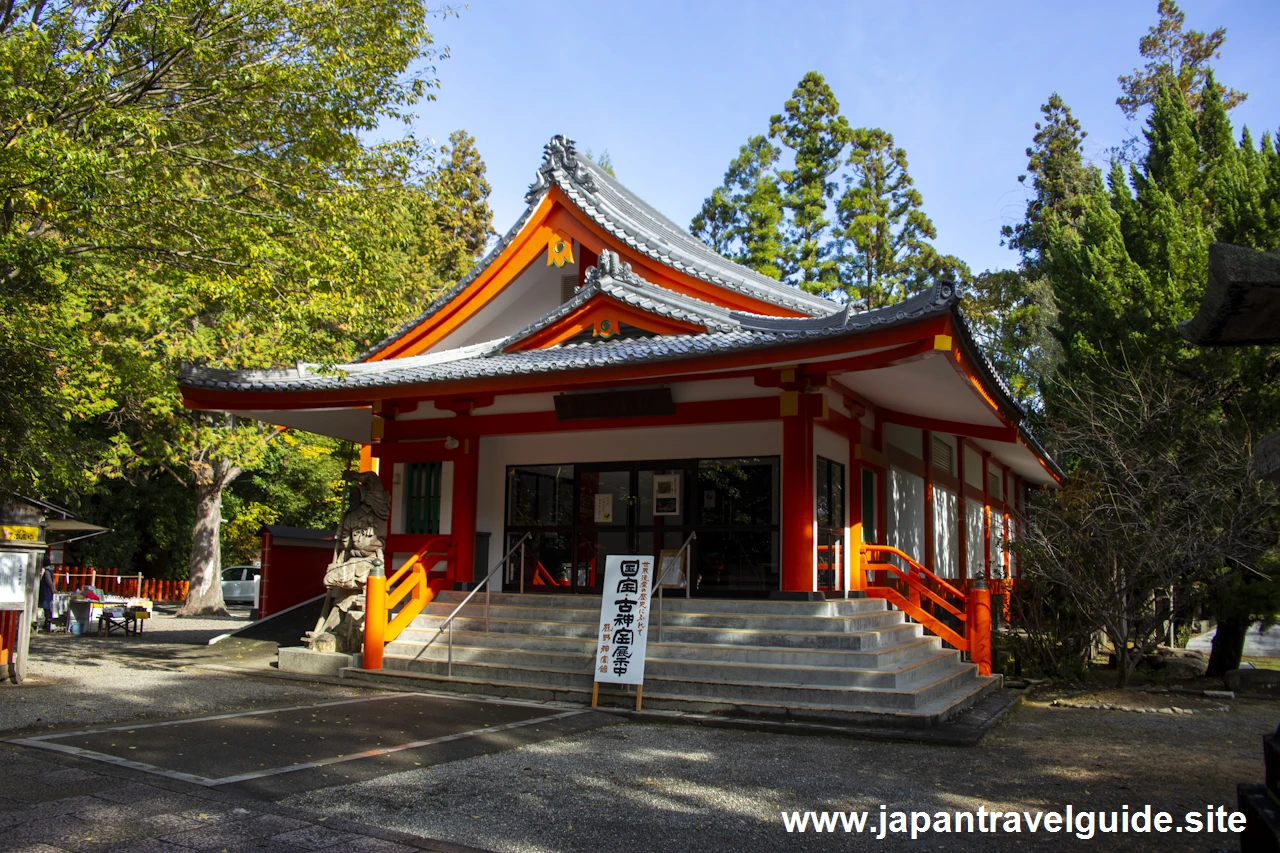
(299, 659)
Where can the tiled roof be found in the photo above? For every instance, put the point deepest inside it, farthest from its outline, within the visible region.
(734, 331)
(632, 221)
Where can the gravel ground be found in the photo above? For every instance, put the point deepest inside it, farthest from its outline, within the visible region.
(645, 787)
(76, 681)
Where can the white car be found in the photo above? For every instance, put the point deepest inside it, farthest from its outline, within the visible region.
(239, 583)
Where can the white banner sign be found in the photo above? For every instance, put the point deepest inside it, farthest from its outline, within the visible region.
(624, 619)
(13, 579)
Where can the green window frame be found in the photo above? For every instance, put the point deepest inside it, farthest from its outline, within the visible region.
(422, 497)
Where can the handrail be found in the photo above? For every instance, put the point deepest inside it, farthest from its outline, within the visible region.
(688, 580)
(412, 581)
(448, 622)
(910, 561)
(915, 577)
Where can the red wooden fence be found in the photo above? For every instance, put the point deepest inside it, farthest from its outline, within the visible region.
(110, 581)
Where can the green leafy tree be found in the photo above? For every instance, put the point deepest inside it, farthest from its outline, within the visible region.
(1135, 267)
(1175, 57)
(297, 482)
(1060, 180)
(459, 221)
(742, 219)
(813, 130)
(882, 222)
(1011, 317)
(188, 181)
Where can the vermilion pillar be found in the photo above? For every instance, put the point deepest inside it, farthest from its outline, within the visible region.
(797, 492)
(853, 496)
(466, 478)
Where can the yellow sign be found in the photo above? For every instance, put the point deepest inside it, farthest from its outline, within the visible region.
(559, 251)
(24, 534)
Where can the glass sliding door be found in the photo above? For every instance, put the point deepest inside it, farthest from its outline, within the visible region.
(578, 515)
(738, 541)
(606, 508)
(829, 485)
(540, 502)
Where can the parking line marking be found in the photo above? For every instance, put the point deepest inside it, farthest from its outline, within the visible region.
(45, 741)
(310, 765)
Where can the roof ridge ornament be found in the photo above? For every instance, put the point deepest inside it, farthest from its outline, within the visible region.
(610, 265)
(560, 153)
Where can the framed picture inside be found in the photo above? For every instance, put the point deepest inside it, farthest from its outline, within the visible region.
(674, 568)
(666, 494)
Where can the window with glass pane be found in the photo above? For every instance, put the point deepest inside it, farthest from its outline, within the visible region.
(870, 528)
(422, 497)
(540, 496)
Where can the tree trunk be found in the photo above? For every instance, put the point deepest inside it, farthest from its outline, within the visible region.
(1228, 646)
(204, 594)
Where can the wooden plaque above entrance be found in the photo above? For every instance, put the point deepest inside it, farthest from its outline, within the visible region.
(646, 402)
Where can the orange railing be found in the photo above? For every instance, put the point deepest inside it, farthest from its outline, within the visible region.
(932, 601)
(383, 594)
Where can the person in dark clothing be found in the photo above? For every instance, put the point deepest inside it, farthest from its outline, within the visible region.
(47, 589)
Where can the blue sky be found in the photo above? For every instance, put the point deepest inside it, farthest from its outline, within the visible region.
(671, 89)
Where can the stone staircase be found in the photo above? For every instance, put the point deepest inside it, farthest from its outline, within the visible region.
(839, 660)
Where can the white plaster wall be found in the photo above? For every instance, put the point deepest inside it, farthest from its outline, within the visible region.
(997, 544)
(973, 537)
(738, 388)
(973, 468)
(832, 445)
(533, 294)
(617, 445)
(905, 438)
(683, 392)
(946, 535)
(906, 513)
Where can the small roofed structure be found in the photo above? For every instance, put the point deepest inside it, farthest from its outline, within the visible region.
(1241, 307)
(602, 384)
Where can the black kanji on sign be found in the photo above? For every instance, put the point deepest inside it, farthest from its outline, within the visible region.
(623, 619)
(630, 568)
(624, 637)
(628, 585)
(625, 605)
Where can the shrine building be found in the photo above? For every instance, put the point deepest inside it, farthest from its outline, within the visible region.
(603, 383)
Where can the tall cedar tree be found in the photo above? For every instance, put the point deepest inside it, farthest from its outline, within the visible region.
(742, 218)
(1173, 56)
(779, 221)
(1060, 180)
(881, 218)
(813, 129)
(1012, 312)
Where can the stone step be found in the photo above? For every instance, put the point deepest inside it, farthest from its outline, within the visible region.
(851, 658)
(414, 643)
(923, 705)
(867, 637)
(434, 660)
(901, 688)
(763, 606)
(877, 658)
(435, 615)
